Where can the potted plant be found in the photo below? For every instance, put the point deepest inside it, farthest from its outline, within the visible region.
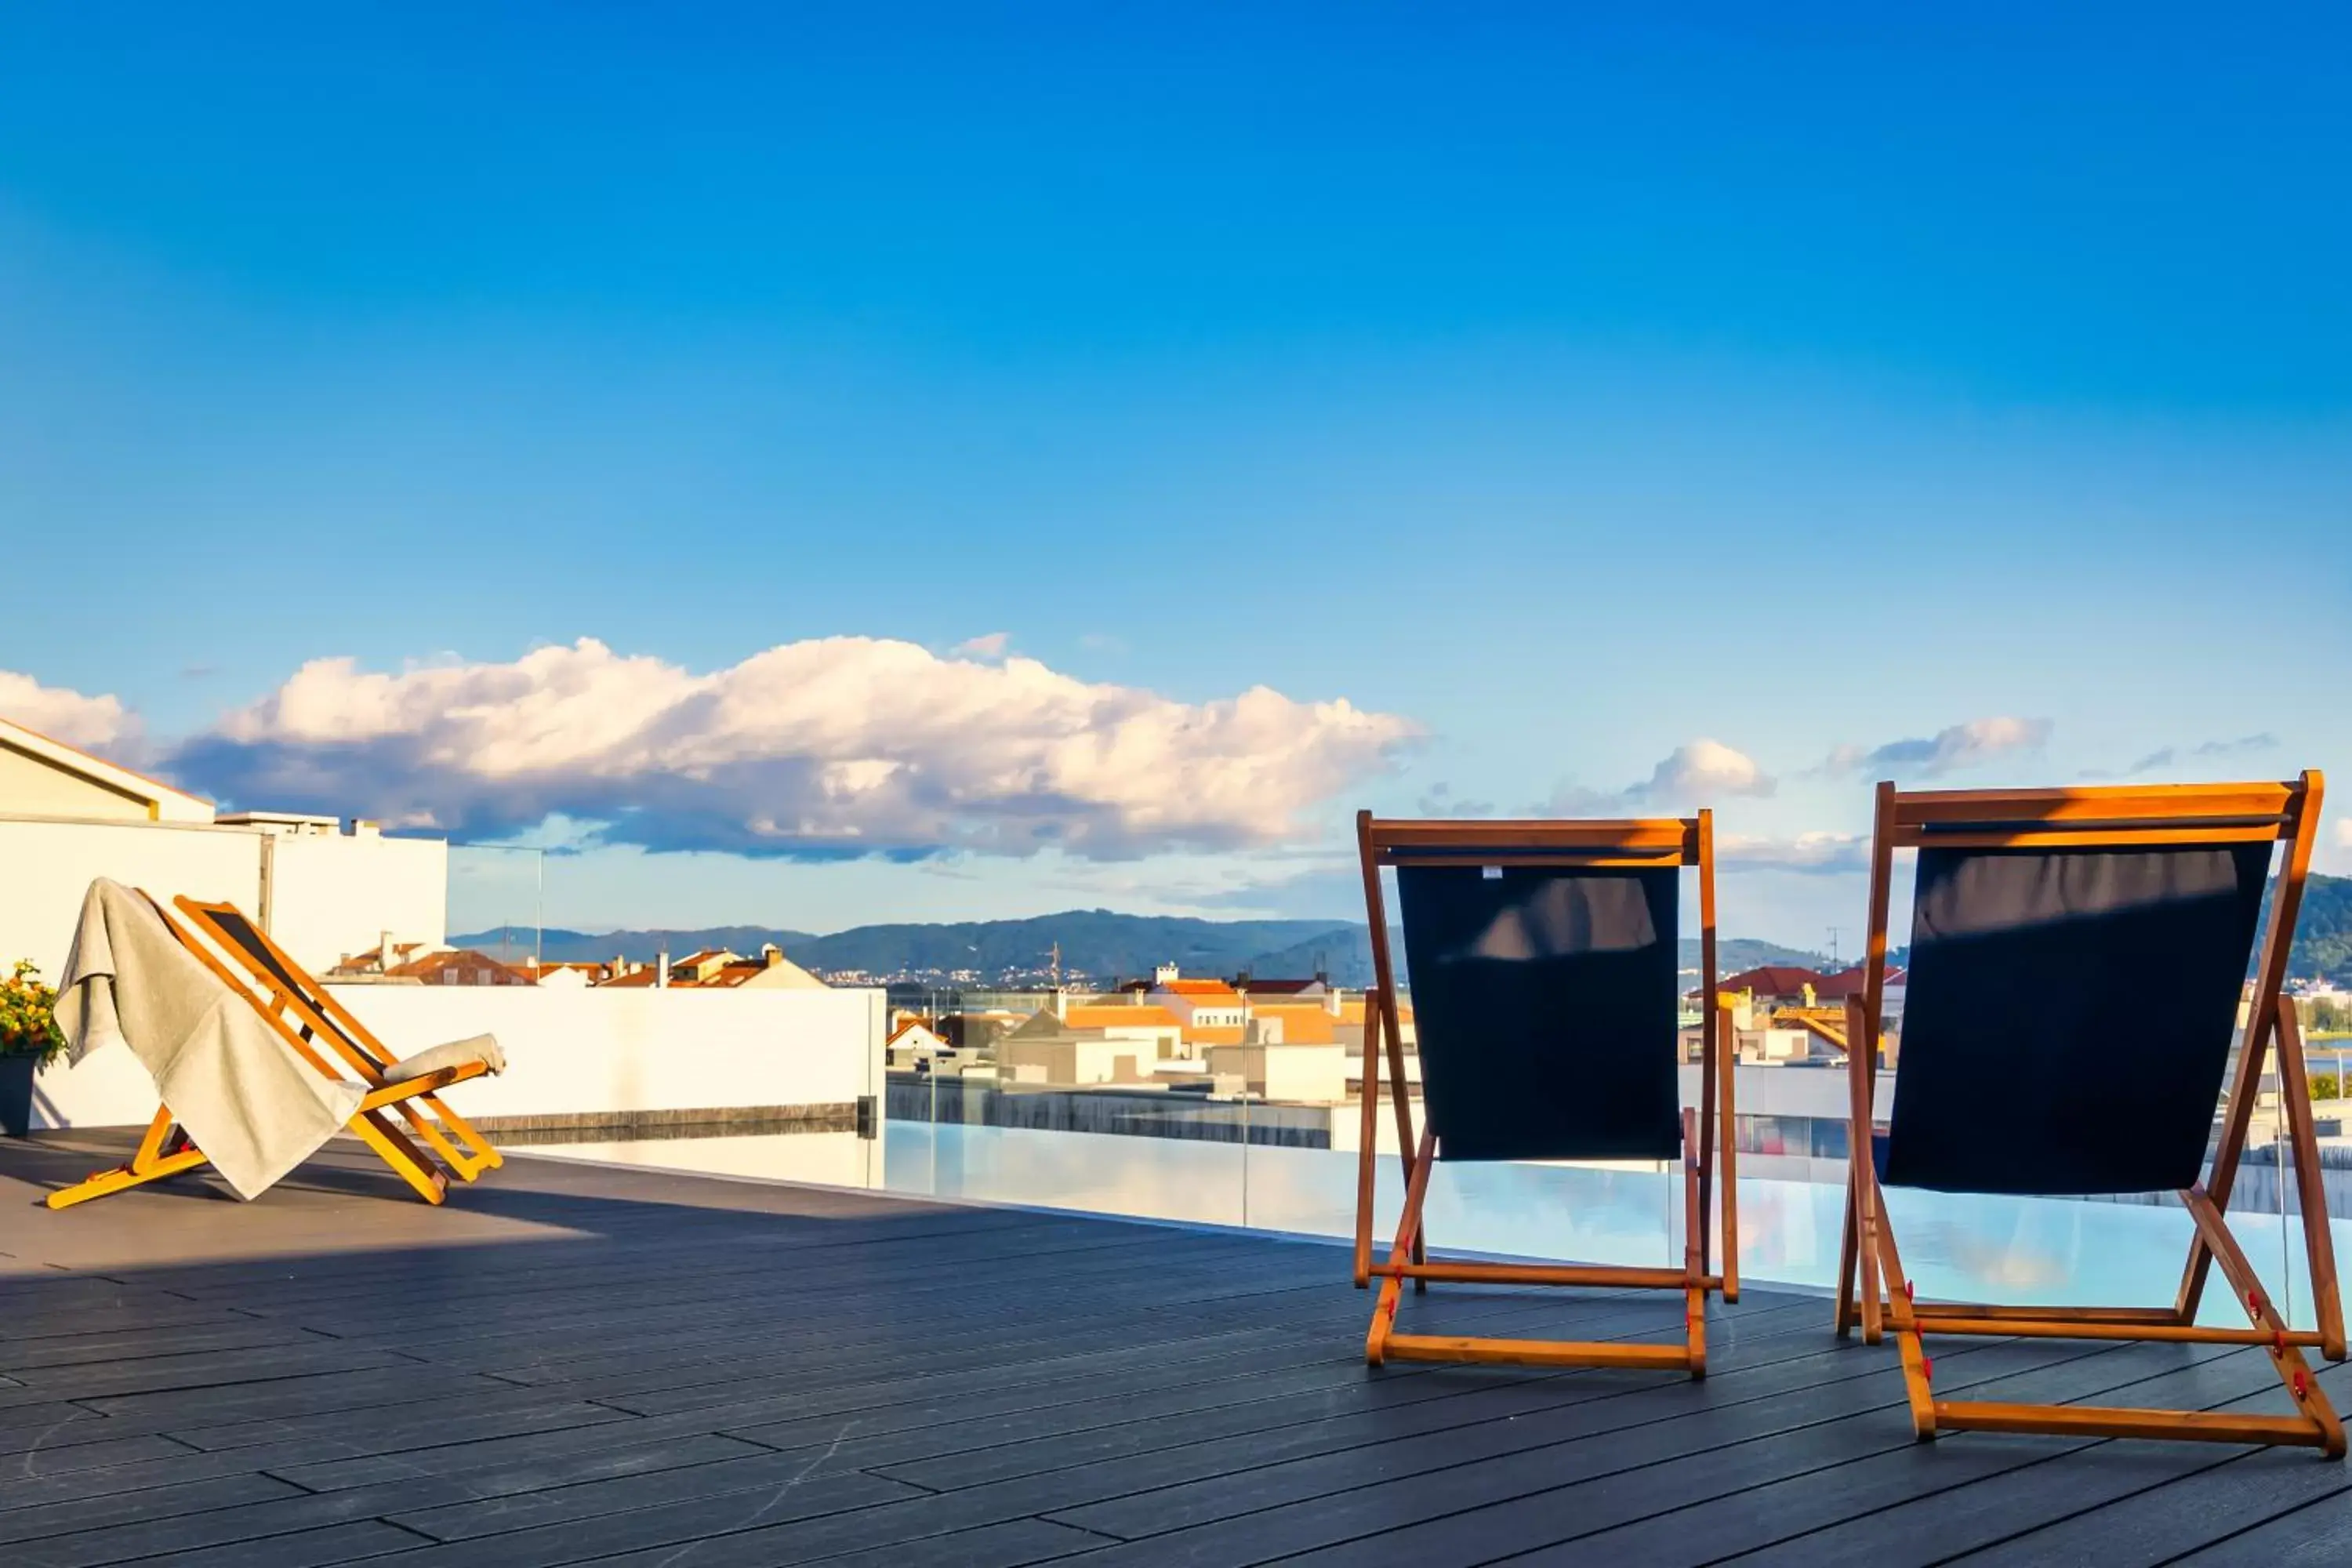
(29, 1038)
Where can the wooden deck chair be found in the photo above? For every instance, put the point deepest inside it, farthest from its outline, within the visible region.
(2078, 960)
(302, 1013)
(1545, 993)
(293, 995)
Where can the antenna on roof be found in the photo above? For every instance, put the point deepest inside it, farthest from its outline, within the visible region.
(1833, 948)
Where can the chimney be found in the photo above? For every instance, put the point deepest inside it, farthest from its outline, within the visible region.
(771, 955)
(1061, 1001)
(385, 959)
(661, 970)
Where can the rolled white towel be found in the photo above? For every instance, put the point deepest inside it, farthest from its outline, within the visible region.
(482, 1048)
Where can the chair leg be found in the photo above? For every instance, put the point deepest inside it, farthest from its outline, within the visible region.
(123, 1177)
(1918, 1370)
(2314, 1424)
(463, 1164)
(163, 1151)
(486, 1154)
(392, 1147)
(1384, 1309)
(2286, 1360)
(1693, 1248)
(1848, 1304)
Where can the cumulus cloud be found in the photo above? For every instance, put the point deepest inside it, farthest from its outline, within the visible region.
(1823, 854)
(989, 645)
(1969, 745)
(1696, 773)
(832, 747)
(1702, 770)
(93, 723)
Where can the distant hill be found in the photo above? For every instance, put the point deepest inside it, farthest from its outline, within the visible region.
(559, 946)
(2323, 934)
(1345, 953)
(1094, 943)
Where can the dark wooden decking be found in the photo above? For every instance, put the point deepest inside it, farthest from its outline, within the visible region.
(570, 1365)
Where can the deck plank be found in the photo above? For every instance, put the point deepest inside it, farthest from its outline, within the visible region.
(572, 1363)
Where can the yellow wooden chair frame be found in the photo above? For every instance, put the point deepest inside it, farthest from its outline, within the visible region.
(304, 1015)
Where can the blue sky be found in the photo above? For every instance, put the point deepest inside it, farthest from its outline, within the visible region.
(1559, 392)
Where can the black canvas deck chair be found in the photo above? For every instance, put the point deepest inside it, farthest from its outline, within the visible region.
(2078, 962)
(1545, 998)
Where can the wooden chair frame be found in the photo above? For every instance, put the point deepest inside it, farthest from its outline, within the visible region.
(1872, 1287)
(166, 1149)
(367, 1057)
(1707, 1135)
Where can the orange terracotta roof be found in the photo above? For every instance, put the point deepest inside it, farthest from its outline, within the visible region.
(1848, 982)
(1301, 1025)
(1217, 1034)
(1214, 988)
(1773, 980)
(468, 960)
(1121, 1015)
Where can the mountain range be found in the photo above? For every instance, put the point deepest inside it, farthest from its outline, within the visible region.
(1096, 943)
(1103, 946)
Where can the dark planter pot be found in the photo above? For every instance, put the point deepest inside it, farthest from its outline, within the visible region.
(16, 1095)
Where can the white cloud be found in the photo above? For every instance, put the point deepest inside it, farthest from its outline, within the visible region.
(1702, 771)
(1696, 773)
(1969, 745)
(1823, 853)
(989, 645)
(94, 723)
(838, 746)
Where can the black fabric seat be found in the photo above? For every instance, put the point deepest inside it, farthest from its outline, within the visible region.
(1545, 1001)
(2069, 1016)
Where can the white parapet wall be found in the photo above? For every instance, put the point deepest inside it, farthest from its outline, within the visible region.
(591, 1055)
(321, 896)
(46, 867)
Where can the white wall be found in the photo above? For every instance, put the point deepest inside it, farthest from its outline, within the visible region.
(332, 894)
(46, 867)
(572, 1052)
(328, 895)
